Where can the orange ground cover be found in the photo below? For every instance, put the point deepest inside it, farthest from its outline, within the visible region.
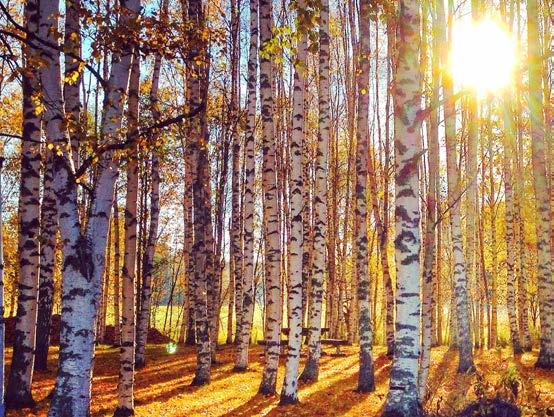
(162, 387)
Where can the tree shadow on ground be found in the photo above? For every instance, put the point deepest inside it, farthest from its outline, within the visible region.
(337, 398)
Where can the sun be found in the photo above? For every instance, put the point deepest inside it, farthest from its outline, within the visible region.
(483, 56)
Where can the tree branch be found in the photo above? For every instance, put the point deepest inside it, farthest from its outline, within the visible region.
(133, 135)
(54, 46)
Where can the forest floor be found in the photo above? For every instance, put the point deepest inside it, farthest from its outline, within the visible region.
(163, 386)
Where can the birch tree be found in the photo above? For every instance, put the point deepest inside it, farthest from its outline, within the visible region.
(272, 265)
(47, 262)
(402, 399)
(311, 369)
(197, 90)
(83, 249)
(366, 381)
(542, 203)
(509, 140)
(18, 389)
(125, 384)
(289, 394)
(431, 205)
(465, 362)
(245, 328)
(148, 260)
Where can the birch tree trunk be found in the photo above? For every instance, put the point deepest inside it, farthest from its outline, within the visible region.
(311, 369)
(429, 255)
(72, 44)
(117, 274)
(521, 251)
(402, 399)
(125, 406)
(18, 389)
(47, 262)
(471, 191)
(366, 381)
(188, 241)
(465, 363)
(243, 339)
(509, 140)
(148, 260)
(235, 234)
(289, 394)
(103, 309)
(542, 202)
(84, 251)
(270, 207)
(196, 88)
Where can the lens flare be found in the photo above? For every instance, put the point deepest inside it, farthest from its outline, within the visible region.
(483, 56)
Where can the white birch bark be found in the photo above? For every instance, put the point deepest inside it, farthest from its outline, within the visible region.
(509, 141)
(201, 248)
(366, 382)
(148, 260)
(47, 261)
(270, 207)
(84, 252)
(125, 384)
(289, 394)
(542, 202)
(117, 273)
(72, 44)
(465, 363)
(429, 256)
(18, 389)
(235, 232)
(311, 369)
(245, 328)
(402, 399)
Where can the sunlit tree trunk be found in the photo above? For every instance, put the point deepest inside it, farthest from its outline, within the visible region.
(289, 394)
(366, 381)
(148, 260)
(311, 369)
(117, 274)
(84, 250)
(387, 280)
(243, 340)
(270, 207)
(125, 405)
(542, 202)
(431, 204)
(509, 140)
(188, 229)
(47, 261)
(235, 234)
(521, 253)
(73, 77)
(460, 277)
(196, 88)
(471, 191)
(103, 309)
(402, 399)
(18, 389)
